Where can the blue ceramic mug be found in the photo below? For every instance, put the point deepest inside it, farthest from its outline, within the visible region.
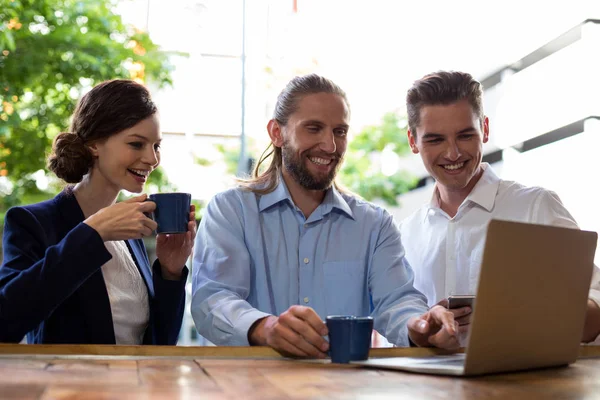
(172, 212)
(349, 337)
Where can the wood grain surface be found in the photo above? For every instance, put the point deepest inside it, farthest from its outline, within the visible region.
(164, 372)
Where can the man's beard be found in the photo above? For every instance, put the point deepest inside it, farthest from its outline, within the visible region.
(297, 169)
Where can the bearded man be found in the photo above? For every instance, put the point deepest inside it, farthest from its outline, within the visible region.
(280, 252)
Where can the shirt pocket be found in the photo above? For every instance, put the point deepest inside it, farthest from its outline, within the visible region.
(345, 288)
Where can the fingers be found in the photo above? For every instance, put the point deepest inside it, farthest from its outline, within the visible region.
(462, 315)
(313, 336)
(436, 327)
(310, 328)
(461, 312)
(447, 336)
(281, 342)
(311, 317)
(136, 199)
(445, 318)
(140, 218)
(146, 206)
(145, 231)
(192, 223)
(466, 320)
(418, 325)
(192, 228)
(443, 303)
(150, 224)
(419, 330)
(301, 335)
(284, 338)
(444, 339)
(191, 236)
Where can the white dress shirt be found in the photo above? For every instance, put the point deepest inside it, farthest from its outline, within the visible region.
(445, 253)
(127, 293)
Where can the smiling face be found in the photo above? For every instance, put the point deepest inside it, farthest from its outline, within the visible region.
(314, 140)
(124, 160)
(450, 140)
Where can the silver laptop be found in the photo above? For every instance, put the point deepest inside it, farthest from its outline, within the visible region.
(530, 307)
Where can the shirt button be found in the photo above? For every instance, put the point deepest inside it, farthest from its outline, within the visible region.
(306, 299)
(306, 261)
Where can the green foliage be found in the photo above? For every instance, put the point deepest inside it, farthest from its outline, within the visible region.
(49, 51)
(158, 182)
(231, 154)
(363, 176)
(202, 161)
(375, 138)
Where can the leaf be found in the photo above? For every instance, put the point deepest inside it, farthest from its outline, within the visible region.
(9, 41)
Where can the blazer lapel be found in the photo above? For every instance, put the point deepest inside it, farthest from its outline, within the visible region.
(92, 294)
(138, 253)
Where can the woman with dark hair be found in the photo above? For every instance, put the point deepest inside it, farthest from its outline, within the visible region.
(75, 267)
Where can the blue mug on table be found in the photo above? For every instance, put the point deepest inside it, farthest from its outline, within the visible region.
(349, 337)
(172, 212)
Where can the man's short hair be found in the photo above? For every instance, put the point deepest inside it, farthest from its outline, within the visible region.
(442, 88)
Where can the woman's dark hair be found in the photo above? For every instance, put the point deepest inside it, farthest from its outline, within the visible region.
(107, 109)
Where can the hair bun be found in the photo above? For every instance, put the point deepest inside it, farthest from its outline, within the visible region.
(70, 159)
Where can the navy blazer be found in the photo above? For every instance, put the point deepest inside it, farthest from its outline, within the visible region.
(51, 283)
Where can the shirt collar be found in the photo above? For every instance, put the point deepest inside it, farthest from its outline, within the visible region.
(333, 199)
(276, 196)
(483, 193)
(485, 190)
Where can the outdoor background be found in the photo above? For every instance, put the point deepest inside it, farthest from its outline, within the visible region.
(215, 69)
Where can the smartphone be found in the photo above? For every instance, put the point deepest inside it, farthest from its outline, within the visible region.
(458, 301)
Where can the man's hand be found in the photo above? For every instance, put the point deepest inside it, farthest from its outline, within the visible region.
(462, 315)
(436, 327)
(298, 332)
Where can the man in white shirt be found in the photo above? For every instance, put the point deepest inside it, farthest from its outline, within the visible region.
(444, 239)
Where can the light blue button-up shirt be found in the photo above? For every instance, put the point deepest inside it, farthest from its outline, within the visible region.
(257, 255)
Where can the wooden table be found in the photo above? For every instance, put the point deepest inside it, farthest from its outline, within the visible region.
(156, 372)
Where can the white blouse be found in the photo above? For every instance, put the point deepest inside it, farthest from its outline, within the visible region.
(127, 294)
